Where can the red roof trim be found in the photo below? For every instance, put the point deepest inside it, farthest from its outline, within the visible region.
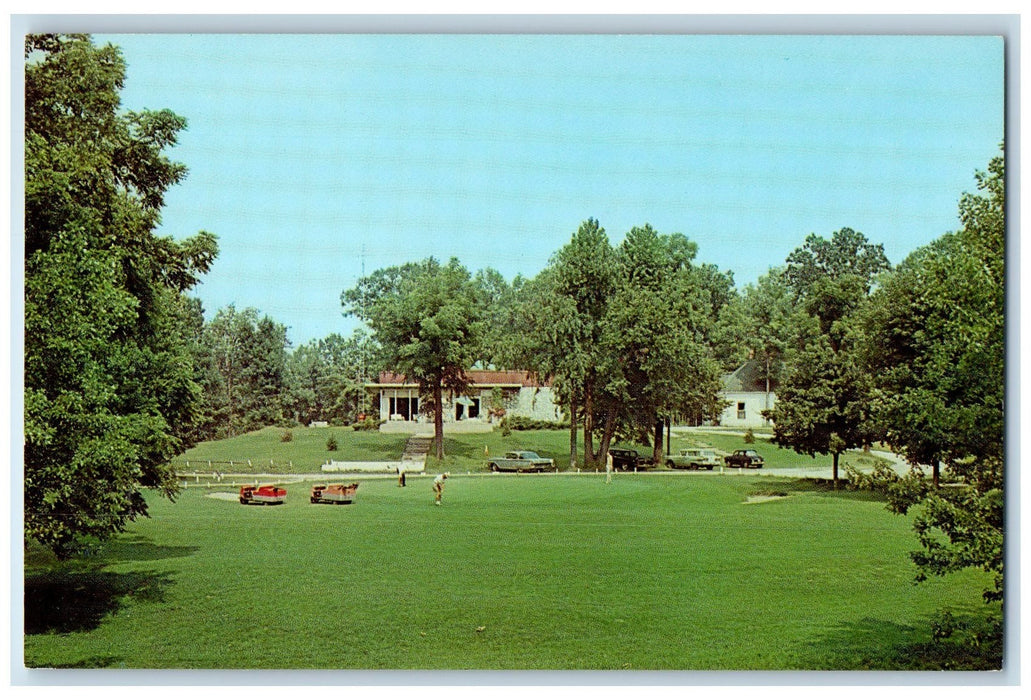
(477, 377)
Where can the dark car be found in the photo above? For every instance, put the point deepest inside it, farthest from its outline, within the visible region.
(747, 459)
(628, 460)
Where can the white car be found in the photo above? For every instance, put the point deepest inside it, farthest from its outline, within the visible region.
(693, 459)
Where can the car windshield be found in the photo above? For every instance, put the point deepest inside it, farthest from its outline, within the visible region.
(530, 455)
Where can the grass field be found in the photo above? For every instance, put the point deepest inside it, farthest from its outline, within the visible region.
(653, 571)
(306, 451)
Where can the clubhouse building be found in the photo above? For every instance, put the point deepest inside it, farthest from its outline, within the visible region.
(515, 393)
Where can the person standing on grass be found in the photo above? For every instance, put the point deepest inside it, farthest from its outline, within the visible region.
(608, 468)
(401, 475)
(438, 486)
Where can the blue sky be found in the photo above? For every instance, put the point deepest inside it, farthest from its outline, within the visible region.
(311, 155)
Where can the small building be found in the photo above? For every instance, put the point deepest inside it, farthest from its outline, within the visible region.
(492, 394)
(749, 395)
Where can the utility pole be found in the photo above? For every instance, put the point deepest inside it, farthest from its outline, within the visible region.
(360, 402)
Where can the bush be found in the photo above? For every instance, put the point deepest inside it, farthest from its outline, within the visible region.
(749, 437)
(524, 423)
(368, 424)
(287, 436)
(331, 443)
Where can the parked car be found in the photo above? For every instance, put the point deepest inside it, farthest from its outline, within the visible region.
(339, 494)
(521, 461)
(748, 459)
(265, 495)
(693, 459)
(627, 460)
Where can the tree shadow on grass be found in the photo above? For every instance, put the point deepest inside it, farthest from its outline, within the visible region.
(62, 602)
(136, 548)
(879, 645)
(75, 595)
(90, 662)
(824, 487)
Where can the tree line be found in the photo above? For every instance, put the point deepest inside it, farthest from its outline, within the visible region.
(122, 372)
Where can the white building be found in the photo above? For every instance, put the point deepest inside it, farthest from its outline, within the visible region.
(747, 391)
(514, 392)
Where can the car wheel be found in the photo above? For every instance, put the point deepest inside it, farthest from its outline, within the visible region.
(709, 467)
(670, 465)
(493, 467)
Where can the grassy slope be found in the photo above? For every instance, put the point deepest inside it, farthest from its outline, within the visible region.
(465, 452)
(560, 571)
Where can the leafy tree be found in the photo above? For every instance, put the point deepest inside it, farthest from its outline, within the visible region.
(656, 336)
(244, 356)
(109, 390)
(427, 318)
(326, 377)
(936, 347)
(558, 326)
(497, 298)
(848, 253)
(823, 404)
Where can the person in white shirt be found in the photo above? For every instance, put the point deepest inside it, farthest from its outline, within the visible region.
(438, 486)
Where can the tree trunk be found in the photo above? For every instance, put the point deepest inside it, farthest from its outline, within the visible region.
(657, 444)
(835, 472)
(606, 436)
(766, 402)
(438, 419)
(935, 473)
(669, 424)
(589, 455)
(573, 418)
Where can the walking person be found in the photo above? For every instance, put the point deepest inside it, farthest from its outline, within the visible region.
(608, 468)
(401, 475)
(438, 486)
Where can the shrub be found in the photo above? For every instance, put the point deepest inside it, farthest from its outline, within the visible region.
(287, 436)
(331, 443)
(524, 423)
(368, 424)
(749, 437)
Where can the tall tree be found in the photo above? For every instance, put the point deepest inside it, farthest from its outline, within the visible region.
(823, 403)
(560, 324)
(427, 319)
(936, 347)
(109, 390)
(656, 335)
(245, 359)
(326, 377)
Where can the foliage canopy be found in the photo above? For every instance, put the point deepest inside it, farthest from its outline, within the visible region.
(109, 390)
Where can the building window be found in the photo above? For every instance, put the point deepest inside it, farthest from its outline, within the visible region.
(402, 407)
(740, 410)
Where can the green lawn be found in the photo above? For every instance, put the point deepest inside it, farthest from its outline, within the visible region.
(306, 451)
(652, 571)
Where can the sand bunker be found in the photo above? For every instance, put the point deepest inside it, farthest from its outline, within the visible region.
(763, 499)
